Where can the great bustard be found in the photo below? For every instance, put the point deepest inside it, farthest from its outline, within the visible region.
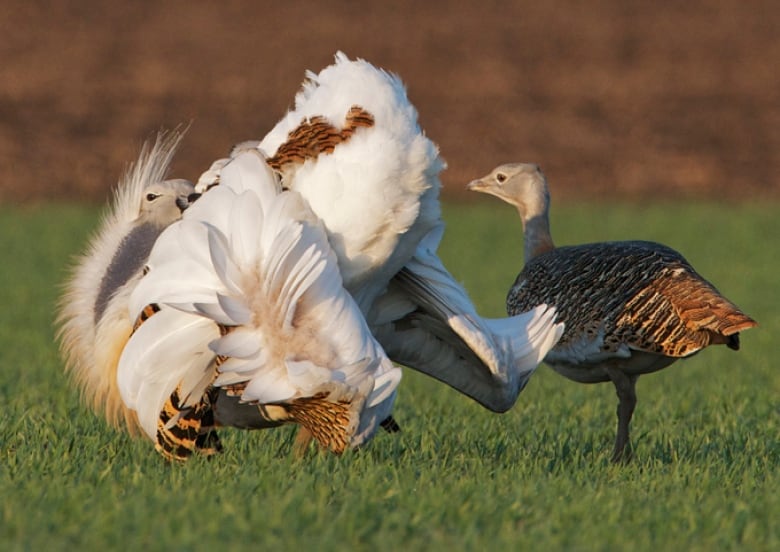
(630, 307)
(353, 151)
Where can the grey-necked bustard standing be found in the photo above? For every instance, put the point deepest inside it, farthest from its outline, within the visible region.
(630, 307)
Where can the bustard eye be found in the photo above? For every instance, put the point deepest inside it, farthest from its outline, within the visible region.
(151, 197)
(501, 177)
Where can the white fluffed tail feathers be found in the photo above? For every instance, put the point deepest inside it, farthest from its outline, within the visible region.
(251, 258)
(376, 193)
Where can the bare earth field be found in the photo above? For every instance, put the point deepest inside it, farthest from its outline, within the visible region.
(612, 98)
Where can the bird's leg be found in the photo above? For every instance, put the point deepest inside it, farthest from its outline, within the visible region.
(302, 440)
(626, 392)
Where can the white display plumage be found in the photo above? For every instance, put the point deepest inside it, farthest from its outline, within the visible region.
(248, 276)
(262, 306)
(93, 321)
(377, 191)
(352, 147)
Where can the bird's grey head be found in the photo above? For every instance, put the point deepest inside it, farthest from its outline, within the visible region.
(520, 184)
(164, 202)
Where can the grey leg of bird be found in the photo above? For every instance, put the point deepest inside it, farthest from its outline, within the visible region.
(301, 444)
(626, 392)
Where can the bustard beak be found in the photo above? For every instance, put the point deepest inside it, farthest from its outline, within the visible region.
(477, 186)
(184, 202)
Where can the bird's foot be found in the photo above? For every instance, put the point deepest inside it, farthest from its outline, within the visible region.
(622, 455)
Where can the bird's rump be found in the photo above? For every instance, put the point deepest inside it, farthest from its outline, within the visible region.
(352, 147)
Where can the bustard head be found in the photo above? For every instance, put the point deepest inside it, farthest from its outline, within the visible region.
(520, 184)
(164, 202)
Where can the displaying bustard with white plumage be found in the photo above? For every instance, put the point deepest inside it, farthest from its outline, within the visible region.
(352, 147)
(630, 307)
(93, 321)
(366, 182)
(243, 298)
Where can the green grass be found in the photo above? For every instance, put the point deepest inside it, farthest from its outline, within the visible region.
(706, 431)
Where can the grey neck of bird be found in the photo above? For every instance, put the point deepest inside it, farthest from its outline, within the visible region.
(536, 232)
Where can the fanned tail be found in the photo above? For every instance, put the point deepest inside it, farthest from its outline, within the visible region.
(251, 302)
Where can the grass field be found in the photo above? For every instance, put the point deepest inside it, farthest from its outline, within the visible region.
(706, 431)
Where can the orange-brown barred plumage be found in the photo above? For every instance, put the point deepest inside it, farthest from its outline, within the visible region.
(642, 294)
(146, 313)
(316, 135)
(182, 430)
(327, 421)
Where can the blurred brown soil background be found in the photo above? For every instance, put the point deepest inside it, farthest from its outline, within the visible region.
(614, 98)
